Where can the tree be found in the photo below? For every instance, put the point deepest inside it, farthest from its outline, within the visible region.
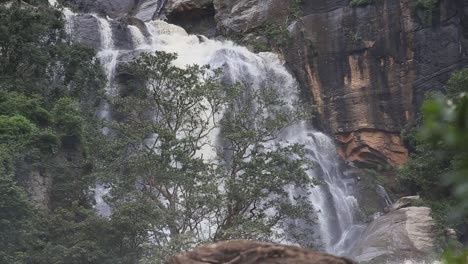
(165, 161)
(49, 88)
(438, 167)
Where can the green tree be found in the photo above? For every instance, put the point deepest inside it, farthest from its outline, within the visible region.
(438, 167)
(186, 191)
(49, 88)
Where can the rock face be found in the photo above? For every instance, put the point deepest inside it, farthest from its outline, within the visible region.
(368, 68)
(144, 10)
(365, 68)
(195, 16)
(405, 232)
(371, 147)
(242, 16)
(249, 252)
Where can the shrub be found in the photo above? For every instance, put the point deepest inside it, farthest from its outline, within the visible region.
(360, 3)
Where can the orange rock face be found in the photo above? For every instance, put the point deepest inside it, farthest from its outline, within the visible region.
(372, 147)
(250, 252)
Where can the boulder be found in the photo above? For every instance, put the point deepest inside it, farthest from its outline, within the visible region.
(250, 252)
(405, 232)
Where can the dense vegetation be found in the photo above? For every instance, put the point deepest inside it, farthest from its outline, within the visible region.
(438, 165)
(48, 90)
(165, 192)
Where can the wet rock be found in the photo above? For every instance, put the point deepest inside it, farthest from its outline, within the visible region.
(403, 233)
(242, 16)
(111, 8)
(148, 9)
(250, 252)
(86, 30)
(195, 16)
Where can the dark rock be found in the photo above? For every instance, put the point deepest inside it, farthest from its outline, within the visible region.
(243, 16)
(195, 16)
(250, 252)
(86, 30)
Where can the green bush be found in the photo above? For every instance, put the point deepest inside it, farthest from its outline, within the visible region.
(360, 3)
(427, 7)
(67, 117)
(15, 128)
(12, 103)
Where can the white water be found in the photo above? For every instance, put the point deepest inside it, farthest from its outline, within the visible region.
(333, 200)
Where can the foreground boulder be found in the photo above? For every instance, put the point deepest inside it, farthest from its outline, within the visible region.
(406, 232)
(250, 252)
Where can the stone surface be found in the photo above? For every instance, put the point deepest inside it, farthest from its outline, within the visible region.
(144, 10)
(403, 233)
(372, 148)
(367, 69)
(195, 16)
(250, 252)
(86, 30)
(404, 202)
(242, 16)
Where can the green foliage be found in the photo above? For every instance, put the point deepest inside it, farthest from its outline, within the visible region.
(277, 31)
(453, 257)
(427, 7)
(15, 214)
(438, 167)
(15, 128)
(48, 88)
(457, 84)
(159, 145)
(27, 39)
(296, 8)
(31, 107)
(360, 3)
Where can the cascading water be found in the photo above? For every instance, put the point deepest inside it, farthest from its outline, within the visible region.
(333, 200)
(335, 206)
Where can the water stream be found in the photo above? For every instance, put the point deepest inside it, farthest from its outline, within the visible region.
(333, 200)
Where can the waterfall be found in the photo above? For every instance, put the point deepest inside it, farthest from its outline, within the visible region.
(333, 200)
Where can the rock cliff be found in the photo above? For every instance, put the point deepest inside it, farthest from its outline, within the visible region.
(366, 68)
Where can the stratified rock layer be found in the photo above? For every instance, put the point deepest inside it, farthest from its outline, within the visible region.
(250, 252)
